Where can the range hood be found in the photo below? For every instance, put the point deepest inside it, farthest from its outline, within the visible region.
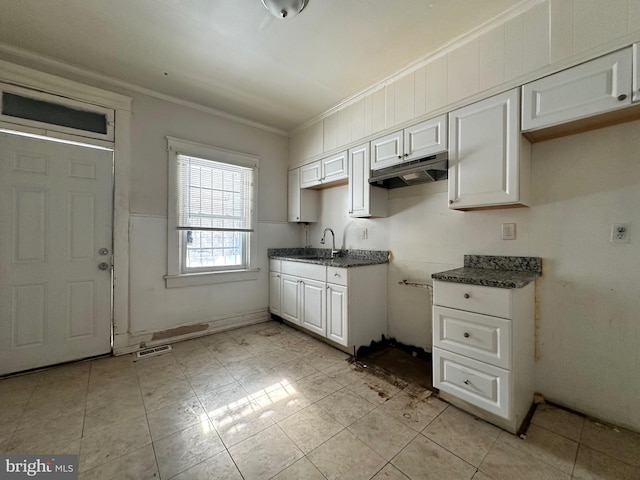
(427, 169)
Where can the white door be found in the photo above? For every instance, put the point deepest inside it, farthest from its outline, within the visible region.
(387, 151)
(359, 173)
(426, 138)
(313, 300)
(290, 298)
(274, 293)
(55, 217)
(337, 301)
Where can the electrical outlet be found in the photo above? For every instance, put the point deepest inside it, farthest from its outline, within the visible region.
(620, 232)
(365, 234)
(508, 231)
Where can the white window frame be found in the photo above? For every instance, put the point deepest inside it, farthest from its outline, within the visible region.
(175, 276)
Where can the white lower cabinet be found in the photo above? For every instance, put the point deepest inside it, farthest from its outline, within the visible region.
(347, 306)
(483, 350)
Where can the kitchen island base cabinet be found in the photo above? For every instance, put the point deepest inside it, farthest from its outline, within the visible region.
(345, 306)
(484, 350)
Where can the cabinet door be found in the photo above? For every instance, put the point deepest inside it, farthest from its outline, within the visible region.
(274, 293)
(387, 151)
(290, 295)
(335, 168)
(303, 205)
(364, 200)
(426, 138)
(484, 159)
(337, 313)
(312, 301)
(311, 174)
(594, 87)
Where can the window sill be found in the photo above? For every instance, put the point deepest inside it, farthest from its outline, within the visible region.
(210, 278)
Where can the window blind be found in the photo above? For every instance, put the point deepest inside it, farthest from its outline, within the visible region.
(213, 196)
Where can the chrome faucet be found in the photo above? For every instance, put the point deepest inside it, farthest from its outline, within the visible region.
(333, 236)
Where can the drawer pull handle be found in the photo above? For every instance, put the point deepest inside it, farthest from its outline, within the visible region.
(466, 382)
(466, 335)
(466, 295)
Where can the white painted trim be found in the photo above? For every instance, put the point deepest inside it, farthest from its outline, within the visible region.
(116, 82)
(210, 278)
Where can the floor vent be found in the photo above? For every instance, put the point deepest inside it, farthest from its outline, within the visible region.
(150, 352)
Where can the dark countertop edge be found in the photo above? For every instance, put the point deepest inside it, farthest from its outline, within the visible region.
(341, 262)
(487, 277)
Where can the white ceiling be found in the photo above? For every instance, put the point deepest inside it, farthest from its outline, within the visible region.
(232, 55)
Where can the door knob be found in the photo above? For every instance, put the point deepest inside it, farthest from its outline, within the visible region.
(103, 251)
(103, 266)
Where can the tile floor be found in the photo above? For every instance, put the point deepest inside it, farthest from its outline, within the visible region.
(267, 401)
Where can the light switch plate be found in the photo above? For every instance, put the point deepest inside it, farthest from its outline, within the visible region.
(508, 231)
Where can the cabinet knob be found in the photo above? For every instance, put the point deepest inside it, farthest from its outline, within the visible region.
(336, 274)
(450, 202)
(466, 335)
(400, 156)
(466, 295)
(466, 382)
(406, 154)
(297, 218)
(622, 97)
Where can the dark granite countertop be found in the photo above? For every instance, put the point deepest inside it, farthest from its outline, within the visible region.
(322, 256)
(494, 271)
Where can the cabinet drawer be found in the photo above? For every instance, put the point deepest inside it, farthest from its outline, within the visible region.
(305, 270)
(275, 265)
(478, 383)
(480, 337)
(337, 275)
(473, 298)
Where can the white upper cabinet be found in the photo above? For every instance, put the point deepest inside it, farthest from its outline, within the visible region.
(364, 200)
(488, 158)
(303, 205)
(592, 88)
(636, 73)
(420, 140)
(326, 171)
(387, 151)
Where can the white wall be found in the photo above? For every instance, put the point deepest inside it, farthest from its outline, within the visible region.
(153, 307)
(588, 300)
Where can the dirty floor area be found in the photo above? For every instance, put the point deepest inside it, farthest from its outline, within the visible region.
(398, 364)
(268, 401)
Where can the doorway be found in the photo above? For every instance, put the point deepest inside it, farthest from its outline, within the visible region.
(56, 236)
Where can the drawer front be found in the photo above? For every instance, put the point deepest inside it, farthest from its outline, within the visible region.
(275, 265)
(473, 298)
(305, 270)
(480, 337)
(480, 384)
(337, 275)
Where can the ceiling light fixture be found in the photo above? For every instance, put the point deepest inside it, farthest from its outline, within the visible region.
(284, 8)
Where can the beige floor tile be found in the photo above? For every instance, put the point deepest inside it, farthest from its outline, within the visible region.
(223, 399)
(261, 384)
(210, 380)
(186, 449)
(18, 390)
(295, 370)
(346, 457)
(556, 450)
(345, 406)
(47, 404)
(157, 362)
(345, 373)
(10, 417)
(373, 389)
(237, 424)
(614, 441)
(112, 369)
(302, 469)
(383, 433)
(310, 427)
(71, 372)
(103, 406)
(558, 421)
(275, 357)
(282, 402)
(198, 363)
(219, 466)
(167, 393)
(137, 465)
(188, 348)
(174, 418)
(423, 459)
(462, 434)
(316, 387)
(112, 442)
(45, 435)
(215, 339)
(481, 476)
(325, 356)
(265, 454)
(247, 368)
(415, 411)
(159, 375)
(389, 472)
(53, 446)
(230, 353)
(506, 462)
(594, 465)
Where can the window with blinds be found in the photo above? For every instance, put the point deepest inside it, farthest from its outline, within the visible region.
(214, 214)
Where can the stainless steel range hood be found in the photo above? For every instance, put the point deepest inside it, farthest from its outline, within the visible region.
(428, 169)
